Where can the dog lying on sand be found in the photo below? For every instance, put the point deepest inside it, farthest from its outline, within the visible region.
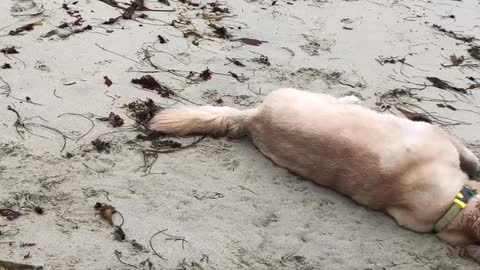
(414, 171)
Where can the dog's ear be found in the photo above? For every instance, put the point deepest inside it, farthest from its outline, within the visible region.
(474, 252)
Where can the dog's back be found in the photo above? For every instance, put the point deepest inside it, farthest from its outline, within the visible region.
(347, 147)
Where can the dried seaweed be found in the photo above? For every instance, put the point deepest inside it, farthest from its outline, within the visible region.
(129, 11)
(220, 31)
(101, 146)
(151, 244)
(448, 106)
(390, 60)
(18, 266)
(9, 50)
(27, 27)
(64, 33)
(113, 119)
(454, 35)
(119, 234)
(239, 78)
(168, 237)
(142, 111)
(112, 3)
(439, 83)
(118, 254)
(474, 52)
(108, 82)
(205, 74)
(135, 5)
(216, 7)
(262, 59)
(207, 195)
(165, 2)
(18, 122)
(250, 41)
(190, 3)
(149, 159)
(456, 61)
(9, 213)
(161, 144)
(236, 62)
(172, 150)
(220, 9)
(414, 116)
(162, 40)
(148, 82)
(404, 100)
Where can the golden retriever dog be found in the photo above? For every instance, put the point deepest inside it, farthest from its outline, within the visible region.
(413, 171)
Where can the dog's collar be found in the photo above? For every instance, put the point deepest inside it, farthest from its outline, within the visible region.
(459, 203)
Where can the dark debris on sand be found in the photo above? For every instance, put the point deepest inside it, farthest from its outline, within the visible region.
(101, 146)
(113, 119)
(148, 82)
(454, 35)
(159, 144)
(107, 80)
(21, 29)
(444, 85)
(206, 75)
(9, 50)
(142, 111)
(474, 52)
(9, 213)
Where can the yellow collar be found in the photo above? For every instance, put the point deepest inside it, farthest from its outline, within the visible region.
(459, 203)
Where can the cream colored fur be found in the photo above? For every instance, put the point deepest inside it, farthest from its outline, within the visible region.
(410, 170)
(216, 121)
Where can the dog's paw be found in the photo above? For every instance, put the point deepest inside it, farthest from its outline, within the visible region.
(350, 100)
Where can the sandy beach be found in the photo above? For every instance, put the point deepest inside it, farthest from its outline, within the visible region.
(83, 186)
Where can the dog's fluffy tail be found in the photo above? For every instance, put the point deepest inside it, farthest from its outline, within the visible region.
(205, 120)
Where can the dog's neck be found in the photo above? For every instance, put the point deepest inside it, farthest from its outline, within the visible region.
(464, 229)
